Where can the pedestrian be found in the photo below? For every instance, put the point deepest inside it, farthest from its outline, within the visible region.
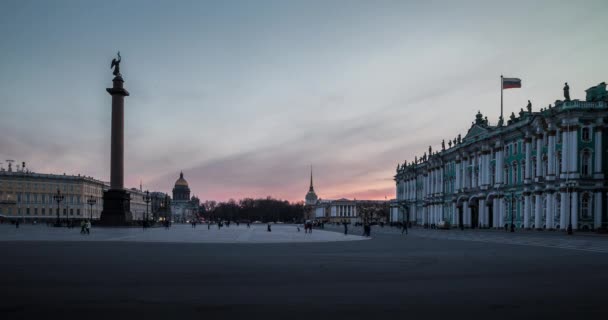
(298, 228)
(269, 230)
(404, 228)
(248, 224)
(209, 225)
(82, 227)
(87, 225)
(345, 228)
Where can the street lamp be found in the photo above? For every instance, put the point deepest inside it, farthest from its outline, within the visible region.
(513, 212)
(569, 185)
(147, 201)
(58, 197)
(91, 201)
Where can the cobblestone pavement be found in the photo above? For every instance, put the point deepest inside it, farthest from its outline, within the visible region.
(179, 233)
(553, 239)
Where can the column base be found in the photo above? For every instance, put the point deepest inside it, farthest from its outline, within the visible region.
(116, 208)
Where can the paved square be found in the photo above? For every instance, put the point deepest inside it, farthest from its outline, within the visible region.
(177, 233)
(423, 275)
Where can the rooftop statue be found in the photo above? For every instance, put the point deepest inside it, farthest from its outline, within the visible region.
(566, 92)
(459, 139)
(501, 121)
(443, 144)
(529, 107)
(521, 113)
(430, 150)
(415, 159)
(449, 143)
(116, 65)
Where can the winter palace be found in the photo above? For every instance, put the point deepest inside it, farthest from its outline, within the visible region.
(539, 170)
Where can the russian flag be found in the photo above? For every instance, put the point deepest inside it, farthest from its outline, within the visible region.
(510, 83)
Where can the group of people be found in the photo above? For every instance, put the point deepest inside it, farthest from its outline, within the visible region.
(85, 227)
(308, 227)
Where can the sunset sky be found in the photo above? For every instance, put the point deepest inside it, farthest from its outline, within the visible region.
(244, 96)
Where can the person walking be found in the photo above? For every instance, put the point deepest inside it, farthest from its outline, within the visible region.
(82, 227)
(269, 230)
(345, 228)
(404, 228)
(87, 226)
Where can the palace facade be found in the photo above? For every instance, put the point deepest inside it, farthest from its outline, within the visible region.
(540, 170)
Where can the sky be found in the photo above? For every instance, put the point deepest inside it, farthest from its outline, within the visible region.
(244, 96)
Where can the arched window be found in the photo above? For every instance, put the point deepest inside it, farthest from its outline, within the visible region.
(507, 175)
(586, 163)
(585, 206)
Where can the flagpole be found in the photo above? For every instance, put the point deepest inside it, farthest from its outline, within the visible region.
(501, 89)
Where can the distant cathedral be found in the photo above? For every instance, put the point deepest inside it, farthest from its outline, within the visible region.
(181, 207)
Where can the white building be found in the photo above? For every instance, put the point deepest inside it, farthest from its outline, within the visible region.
(542, 170)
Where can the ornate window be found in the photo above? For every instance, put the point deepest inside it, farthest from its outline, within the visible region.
(586, 163)
(586, 134)
(585, 208)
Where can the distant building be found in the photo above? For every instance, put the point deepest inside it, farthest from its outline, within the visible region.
(27, 195)
(181, 206)
(542, 170)
(343, 210)
(160, 205)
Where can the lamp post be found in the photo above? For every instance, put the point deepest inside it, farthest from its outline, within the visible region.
(569, 185)
(167, 210)
(147, 200)
(91, 201)
(513, 210)
(58, 197)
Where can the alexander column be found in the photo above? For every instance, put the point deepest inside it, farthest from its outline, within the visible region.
(116, 200)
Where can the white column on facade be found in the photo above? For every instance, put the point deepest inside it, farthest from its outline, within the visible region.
(539, 155)
(565, 152)
(574, 210)
(495, 210)
(564, 210)
(527, 210)
(465, 213)
(528, 168)
(597, 211)
(457, 182)
(424, 209)
(551, 154)
(499, 166)
(537, 211)
(482, 211)
(550, 210)
(487, 166)
(574, 151)
(501, 216)
(597, 167)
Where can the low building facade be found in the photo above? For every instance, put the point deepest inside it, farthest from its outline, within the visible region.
(540, 170)
(26, 195)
